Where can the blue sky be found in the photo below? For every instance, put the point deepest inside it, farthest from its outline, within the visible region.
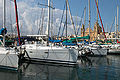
(108, 9)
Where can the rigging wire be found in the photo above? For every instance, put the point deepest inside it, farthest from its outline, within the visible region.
(61, 22)
(112, 25)
(40, 21)
(80, 22)
(63, 30)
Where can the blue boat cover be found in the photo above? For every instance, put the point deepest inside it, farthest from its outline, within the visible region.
(67, 43)
(86, 42)
(54, 41)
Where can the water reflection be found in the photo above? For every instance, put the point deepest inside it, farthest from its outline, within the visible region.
(48, 72)
(8, 75)
(100, 68)
(88, 68)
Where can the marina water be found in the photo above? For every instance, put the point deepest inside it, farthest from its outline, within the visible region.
(88, 68)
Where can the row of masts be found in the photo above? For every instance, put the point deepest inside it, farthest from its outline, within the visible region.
(89, 14)
(48, 25)
(116, 25)
(89, 24)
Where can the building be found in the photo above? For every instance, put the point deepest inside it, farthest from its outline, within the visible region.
(94, 34)
(83, 31)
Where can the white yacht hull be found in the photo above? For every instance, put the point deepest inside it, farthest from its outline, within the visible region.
(53, 54)
(114, 51)
(93, 51)
(8, 59)
(99, 51)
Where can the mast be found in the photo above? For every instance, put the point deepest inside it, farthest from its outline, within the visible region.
(52, 21)
(115, 30)
(117, 19)
(72, 21)
(66, 20)
(100, 20)
(41, 29)
(84, 15)
(89, 18)
(17, 22)
(11, 20)
(106, 28)
(97, 13)
(4, 20)
(97, 23)
(48, 25)
(76, 22)
(4, 13)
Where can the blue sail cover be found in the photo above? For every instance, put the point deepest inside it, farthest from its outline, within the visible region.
(86, 42)
(54, 41)
(3, 30)
(69, 44)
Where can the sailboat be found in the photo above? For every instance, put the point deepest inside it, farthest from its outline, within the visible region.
(115, 48)
(94, 49)
(8, 55)
(48, 53)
